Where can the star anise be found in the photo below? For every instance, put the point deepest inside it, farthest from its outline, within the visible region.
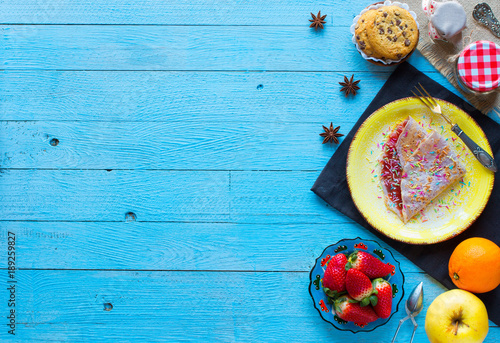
(317, 21)
(331, 134)
(349, 86)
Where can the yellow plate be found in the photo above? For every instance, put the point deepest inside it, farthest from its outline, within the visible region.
(452, 211)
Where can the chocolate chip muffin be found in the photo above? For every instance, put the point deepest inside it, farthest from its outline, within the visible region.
(393, 33)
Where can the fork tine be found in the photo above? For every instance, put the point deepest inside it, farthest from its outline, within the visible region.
(420, 92)
(421, 99)
(432, 100)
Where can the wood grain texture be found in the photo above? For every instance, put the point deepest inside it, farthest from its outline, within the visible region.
(178, 190)
(156, 195)
(232, 97)
(242, 48)
(179, 246)
(171, 196)
(182, 12)
(182, 306)
(187, 144)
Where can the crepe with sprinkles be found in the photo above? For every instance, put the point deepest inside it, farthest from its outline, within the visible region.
(429, 171)
(411, 137)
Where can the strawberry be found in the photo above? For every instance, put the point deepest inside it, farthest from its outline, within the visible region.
(350, 310)
(383, 305)
(334, 279)
(359, 287)
(368, 265)
(338, 260)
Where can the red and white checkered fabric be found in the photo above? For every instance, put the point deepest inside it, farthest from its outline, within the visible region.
(479, 66)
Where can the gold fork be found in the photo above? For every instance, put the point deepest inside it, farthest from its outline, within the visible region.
(482, 156)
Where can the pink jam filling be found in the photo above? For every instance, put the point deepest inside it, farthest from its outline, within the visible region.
(392, 169)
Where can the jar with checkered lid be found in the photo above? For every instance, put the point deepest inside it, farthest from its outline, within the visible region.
(478, 67)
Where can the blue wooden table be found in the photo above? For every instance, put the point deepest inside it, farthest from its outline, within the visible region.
(156, 164)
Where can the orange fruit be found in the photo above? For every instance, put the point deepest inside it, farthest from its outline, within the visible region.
(475, 265)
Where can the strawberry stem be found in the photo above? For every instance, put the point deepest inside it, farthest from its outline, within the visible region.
(353, 256)
(364, 302)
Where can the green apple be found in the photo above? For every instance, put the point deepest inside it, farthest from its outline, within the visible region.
(456, 316)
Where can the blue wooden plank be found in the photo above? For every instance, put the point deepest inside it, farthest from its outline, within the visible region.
(177, 96)
(179, 246)
(180, 12)
(180, 306)
(189, 144)
(90, 195)
(170, 196)
(64, 47)
(156, 195)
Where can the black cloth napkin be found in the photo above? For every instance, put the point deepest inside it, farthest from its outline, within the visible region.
(331, 185)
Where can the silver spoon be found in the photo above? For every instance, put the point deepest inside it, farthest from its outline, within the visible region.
(483, 14)
(413, 306)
